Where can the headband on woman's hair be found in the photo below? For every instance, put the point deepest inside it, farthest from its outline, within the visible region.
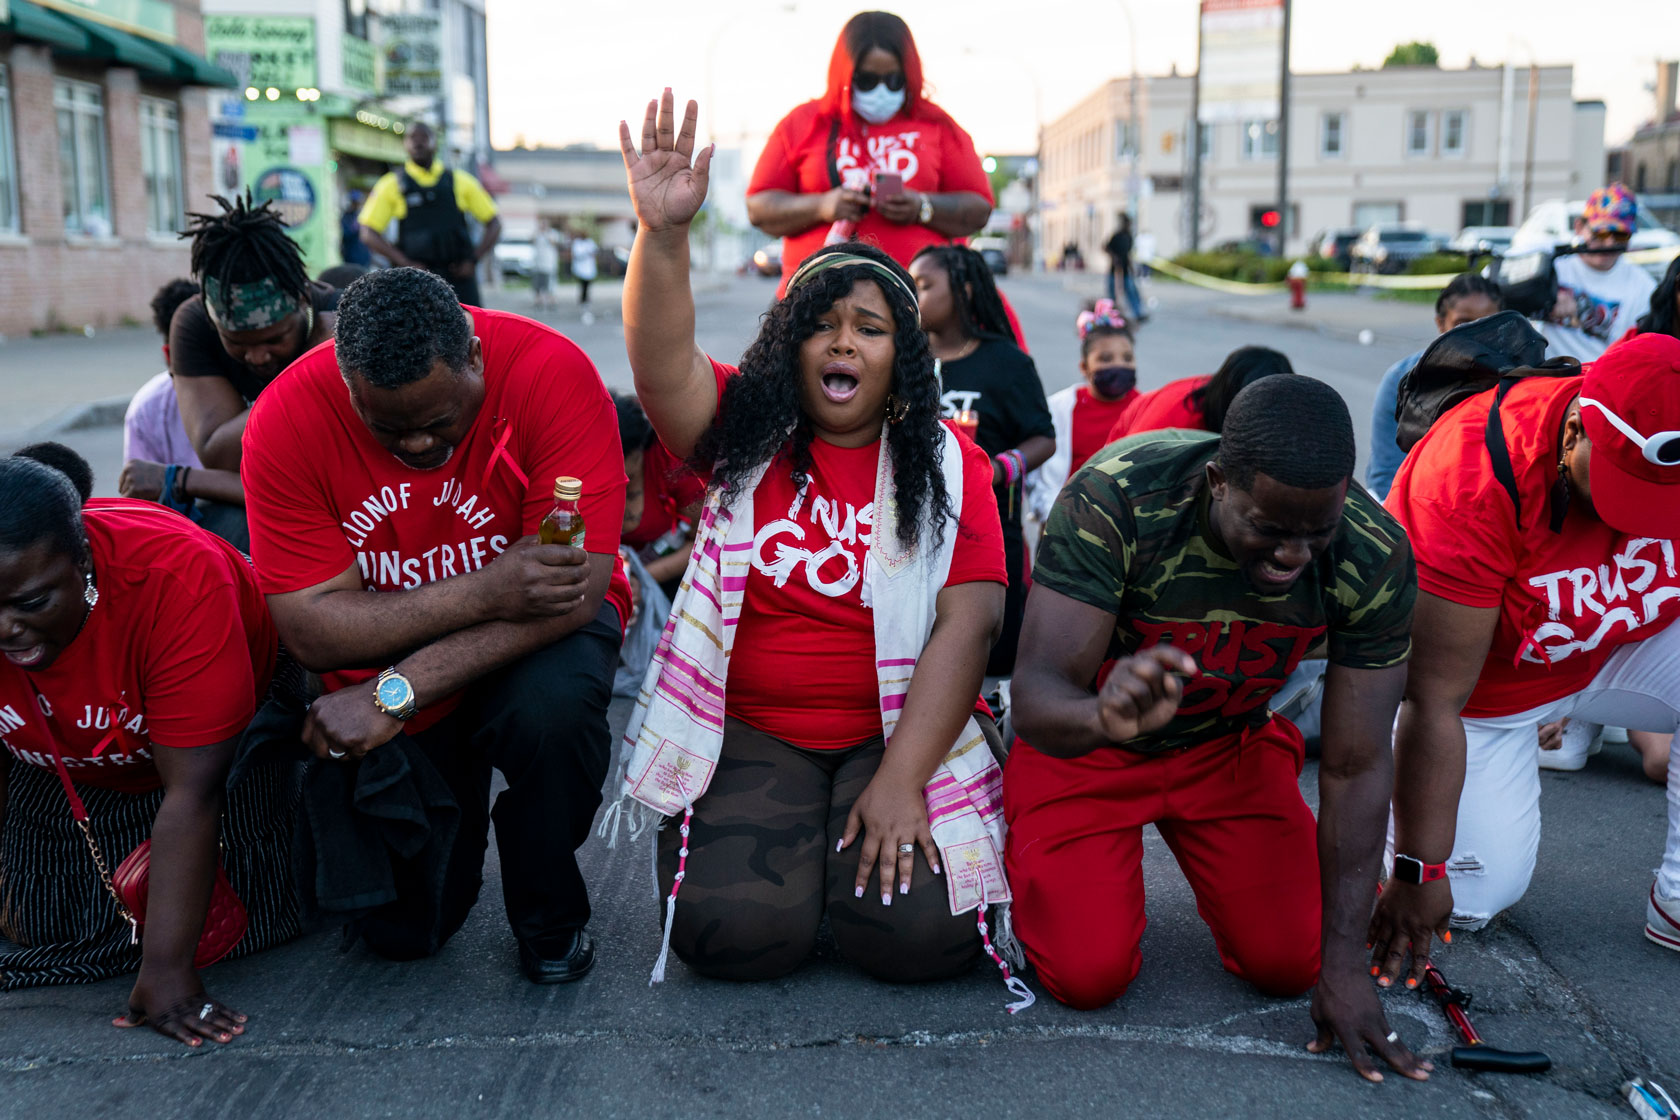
(1105, 315)
(822, 262)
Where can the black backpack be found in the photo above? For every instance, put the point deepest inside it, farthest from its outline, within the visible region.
(1491, 353)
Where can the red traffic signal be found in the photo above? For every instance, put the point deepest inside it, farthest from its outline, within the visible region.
(1270, 218)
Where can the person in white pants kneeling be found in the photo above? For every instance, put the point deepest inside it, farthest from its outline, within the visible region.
(1564, 605)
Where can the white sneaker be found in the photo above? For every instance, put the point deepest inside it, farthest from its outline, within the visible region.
(1580, 739)
(1662, 920)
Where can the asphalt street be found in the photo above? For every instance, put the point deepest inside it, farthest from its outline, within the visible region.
(463, 1034)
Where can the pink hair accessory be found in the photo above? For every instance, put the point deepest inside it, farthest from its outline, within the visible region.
(1105, 315)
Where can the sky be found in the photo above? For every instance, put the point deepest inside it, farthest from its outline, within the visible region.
(566, 71)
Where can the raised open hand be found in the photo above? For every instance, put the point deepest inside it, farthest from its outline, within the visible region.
(666, 188)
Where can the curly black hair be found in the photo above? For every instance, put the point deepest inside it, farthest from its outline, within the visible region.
(42, 488)
(394, 325)
(1293, 429)
(166, 299)
(1241, 368)
(245, 243)
(760, 415)
(1664, 315)
(974, 293)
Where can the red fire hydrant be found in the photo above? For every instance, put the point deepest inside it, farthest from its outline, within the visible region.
(1298, 286)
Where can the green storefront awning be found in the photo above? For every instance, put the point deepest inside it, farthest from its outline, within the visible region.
(75, 37)
(62, 33)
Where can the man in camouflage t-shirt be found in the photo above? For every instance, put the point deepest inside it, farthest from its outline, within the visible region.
(1180, 579)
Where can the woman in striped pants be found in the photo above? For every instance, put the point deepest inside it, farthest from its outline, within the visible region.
(137, 648)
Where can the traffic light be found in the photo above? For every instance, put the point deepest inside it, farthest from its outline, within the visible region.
(1270, 218)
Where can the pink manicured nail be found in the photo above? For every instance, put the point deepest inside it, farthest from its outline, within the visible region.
(904, 888)
(839, 844)
(936, 869)
(859, 893)
(886, 898)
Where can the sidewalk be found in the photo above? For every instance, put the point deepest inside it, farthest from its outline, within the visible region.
(1339, 314)
(67, 382)
(61, 382)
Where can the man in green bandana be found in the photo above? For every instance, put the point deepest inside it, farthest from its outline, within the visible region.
(258, 313)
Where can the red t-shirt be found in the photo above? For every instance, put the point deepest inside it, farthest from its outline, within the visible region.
(323, 495)
(1574, 595)
(668, 488)
(803, 662)
(934, 157)
(177, 653)
(1092, 421)
(1166, 407)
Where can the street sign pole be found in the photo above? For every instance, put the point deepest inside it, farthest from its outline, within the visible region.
(1284, 223)
(1193, 232)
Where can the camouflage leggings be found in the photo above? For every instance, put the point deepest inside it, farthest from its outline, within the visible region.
(762, 871)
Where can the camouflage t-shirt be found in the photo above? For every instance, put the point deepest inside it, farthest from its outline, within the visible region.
(1130, 534)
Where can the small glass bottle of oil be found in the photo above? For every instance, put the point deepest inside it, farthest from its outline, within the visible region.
(564, 523)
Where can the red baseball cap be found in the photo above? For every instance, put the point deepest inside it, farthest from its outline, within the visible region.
(1630, 408)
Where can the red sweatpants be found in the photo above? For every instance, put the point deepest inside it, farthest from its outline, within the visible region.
(1231, 813)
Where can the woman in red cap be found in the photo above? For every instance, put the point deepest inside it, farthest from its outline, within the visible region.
(1564, 606)
(871, 160)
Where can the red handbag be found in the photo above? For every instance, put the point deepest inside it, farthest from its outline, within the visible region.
(224, 923)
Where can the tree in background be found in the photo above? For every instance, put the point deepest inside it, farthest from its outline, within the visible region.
(1413, 54)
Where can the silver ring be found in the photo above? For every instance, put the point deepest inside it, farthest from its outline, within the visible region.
(906, 849)
(334, 754)
(1394, 1036)
(204, 1012)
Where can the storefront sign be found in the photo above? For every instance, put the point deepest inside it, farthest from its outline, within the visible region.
(264, 51)
(1242, 60)
(291, 192)
(155, 18)
(412, 47)
(301, 192)
(357, 70)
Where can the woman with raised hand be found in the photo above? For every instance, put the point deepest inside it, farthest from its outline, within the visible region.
(810, 726)
(137, 649)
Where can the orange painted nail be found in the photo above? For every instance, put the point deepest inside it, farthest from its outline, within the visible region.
(1375, 970)
(1447, 937)
(1411, 982)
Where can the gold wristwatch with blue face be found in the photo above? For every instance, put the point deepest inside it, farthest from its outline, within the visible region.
(393, 694)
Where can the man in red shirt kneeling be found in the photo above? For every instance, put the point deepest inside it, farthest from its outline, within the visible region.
(394, 480)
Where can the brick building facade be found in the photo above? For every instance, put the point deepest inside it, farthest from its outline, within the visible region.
(105, 146)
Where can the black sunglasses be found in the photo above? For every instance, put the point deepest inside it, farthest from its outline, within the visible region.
(866, 81)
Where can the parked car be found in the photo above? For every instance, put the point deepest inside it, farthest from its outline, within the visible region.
(1552, 223)
(994, 251)
(1334, 245)
(1390, 247)
(1482, 239)
(768, 260)
(514, 257)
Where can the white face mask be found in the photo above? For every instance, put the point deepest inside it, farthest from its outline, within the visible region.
(878, 105)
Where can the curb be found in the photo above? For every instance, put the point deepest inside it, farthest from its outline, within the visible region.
(105, 413)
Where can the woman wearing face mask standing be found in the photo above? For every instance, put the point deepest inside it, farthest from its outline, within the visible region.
(987, 382)
(872, 159)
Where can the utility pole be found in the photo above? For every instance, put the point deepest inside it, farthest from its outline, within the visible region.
(1528, 155)
(1193, 135)
(1283, 138)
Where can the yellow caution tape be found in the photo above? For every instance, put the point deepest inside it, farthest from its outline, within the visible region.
(1400, 281)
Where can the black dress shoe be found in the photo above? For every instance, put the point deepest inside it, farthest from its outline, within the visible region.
(572, 962)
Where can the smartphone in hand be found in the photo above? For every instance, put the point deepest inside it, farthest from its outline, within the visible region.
(885, 184)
